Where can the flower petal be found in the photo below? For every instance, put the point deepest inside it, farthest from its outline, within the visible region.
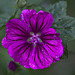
(49, 35)
(16, 49)
(13, 35)
(54, 51)
(16, 24)
(20, 52)
(5, 43)
(48, 31)
(38, 59)
(43, 21)
(32, 22)
(16, 30)
(37, 21)
(52, 43)
(26, 14)
(26, 57)
(47, 21)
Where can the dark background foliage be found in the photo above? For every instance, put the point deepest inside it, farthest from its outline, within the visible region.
(65, 66)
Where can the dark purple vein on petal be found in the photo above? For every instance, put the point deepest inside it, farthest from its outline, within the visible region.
(23, 30)
(35, 57)
(41, 24)
(43, 55)
(30, 22)
(39, 57)
(22, 52)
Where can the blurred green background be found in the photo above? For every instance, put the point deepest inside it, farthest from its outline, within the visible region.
(63, 67)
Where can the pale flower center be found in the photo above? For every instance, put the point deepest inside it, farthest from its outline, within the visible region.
(34, 39)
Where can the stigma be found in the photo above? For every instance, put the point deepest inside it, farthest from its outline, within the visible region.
(34, 39)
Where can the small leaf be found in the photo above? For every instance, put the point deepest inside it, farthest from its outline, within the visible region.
(7, 11)
(13, 16)
(64, 27)
(58, 9)
(64, 22)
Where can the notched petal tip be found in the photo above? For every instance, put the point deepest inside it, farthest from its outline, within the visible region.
(26, 13)
(5, 43)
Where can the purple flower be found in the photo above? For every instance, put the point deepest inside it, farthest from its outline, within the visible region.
(12, 66)
(31, 42)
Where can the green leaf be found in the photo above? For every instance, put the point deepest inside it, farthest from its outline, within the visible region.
(13, 16)
(7, 8)
(64, 27)
(58, 9)
(62, 23)
(73, 31)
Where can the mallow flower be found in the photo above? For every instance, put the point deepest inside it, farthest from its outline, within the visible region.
(31, 42)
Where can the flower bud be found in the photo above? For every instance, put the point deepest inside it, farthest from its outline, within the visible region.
(21, 3)
(12, 66)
